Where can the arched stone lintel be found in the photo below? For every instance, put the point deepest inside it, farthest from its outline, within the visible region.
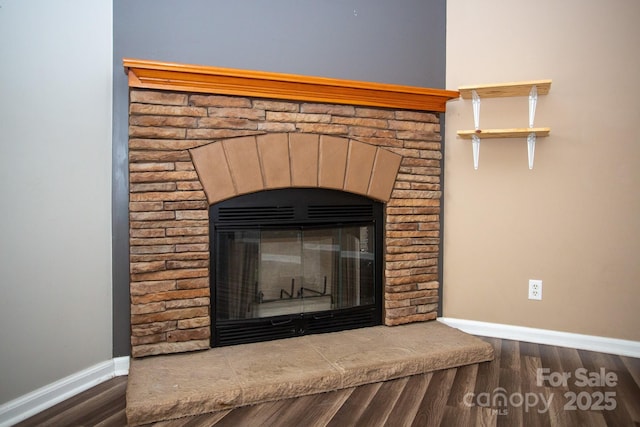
(243, 165)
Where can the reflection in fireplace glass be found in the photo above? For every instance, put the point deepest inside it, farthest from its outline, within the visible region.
(272, 272)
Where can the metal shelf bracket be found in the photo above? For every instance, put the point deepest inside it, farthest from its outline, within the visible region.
(476, 109)
(533, 100)
(475, 143)
(531, 139)
(531, 148)
(476, 122)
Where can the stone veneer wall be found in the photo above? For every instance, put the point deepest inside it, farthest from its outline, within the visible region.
(169, 234)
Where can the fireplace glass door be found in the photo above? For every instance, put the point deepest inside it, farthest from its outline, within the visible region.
(298, 270)
(295, 261)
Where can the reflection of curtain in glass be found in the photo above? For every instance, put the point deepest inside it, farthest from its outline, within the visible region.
(237, 282)
(335, 271)
(350, 259)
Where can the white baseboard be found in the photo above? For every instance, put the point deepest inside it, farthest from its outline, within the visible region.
(45, 397)
(120, 366)
(545, 336)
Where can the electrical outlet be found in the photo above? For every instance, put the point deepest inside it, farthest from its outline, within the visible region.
(535, 289)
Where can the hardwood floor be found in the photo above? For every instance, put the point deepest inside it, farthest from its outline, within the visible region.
(602, 390)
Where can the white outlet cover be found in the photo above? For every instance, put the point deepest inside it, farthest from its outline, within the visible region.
(535, 289)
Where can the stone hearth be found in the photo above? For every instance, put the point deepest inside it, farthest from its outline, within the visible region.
(178, 112)
(169, 387)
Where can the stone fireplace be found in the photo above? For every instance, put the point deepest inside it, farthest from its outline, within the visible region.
(203, 135)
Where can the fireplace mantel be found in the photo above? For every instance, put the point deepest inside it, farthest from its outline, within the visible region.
(275, 131)
(228, 81)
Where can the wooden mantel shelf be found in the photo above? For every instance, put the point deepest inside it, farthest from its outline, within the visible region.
(229, 81)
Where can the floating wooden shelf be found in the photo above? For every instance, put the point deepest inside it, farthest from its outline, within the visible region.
(503, 133)
(531, 89)
(505, 89)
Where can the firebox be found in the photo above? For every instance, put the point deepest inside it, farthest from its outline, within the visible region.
(294, 261)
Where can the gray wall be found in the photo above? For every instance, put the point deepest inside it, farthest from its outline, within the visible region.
(55, 191)
(400, 41)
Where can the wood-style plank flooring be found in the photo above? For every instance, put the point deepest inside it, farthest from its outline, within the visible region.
(466, 396)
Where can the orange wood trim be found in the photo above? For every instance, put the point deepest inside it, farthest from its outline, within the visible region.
(496, 90)
(229, 81)
(503, 133)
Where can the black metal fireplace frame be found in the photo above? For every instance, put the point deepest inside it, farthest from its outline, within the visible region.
(296, 207)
